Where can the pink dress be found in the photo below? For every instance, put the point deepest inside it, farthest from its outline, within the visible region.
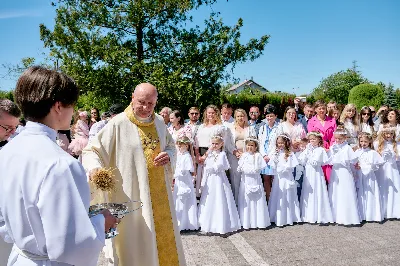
(81, 138)
(327, 136)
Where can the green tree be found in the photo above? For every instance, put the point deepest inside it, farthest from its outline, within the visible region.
(7, 95)
(397, 93)
(366, 95)
(390, 94)
(337, 86)
(109, 47)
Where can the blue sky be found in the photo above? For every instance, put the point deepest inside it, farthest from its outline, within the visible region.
(310, 39)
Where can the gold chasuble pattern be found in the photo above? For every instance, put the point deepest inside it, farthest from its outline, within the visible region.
(165, 237)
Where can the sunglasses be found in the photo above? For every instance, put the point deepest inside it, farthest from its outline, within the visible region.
(366, 114)
(194, 113)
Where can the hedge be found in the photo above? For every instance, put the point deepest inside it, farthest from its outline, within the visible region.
(366, 95)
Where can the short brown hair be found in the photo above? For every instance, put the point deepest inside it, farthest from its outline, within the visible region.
(194, 108)
(9, 107)
(38, 89)
(319, 103)
(227, 106)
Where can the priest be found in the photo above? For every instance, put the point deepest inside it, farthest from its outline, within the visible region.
(137, 146)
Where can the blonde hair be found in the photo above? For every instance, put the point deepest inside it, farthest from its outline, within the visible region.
(255, 141)
(381, 139)
(368, 137)
(246, 119)
(286, 140)
(219, 138)
(217, 114)
(354, 119)
(318, 135)
(342, 131)
(286, 110)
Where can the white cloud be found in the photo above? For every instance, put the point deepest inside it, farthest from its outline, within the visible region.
(10, 14)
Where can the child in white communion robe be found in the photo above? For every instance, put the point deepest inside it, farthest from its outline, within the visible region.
(314, 201)
(184, 193)
(217, 209)
(388, 175)
(253, 208)
(342, 189)
(368, 194)
(284, 202)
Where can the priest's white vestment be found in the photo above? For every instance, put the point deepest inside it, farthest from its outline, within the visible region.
(118, 146)
(44, 202)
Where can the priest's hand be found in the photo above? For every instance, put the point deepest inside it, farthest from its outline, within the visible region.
(110, 221)
(161, 159)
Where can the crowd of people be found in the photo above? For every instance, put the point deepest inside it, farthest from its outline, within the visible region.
(318, 164)
(219, 171)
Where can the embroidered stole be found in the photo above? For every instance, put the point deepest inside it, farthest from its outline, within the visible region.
(164, 228)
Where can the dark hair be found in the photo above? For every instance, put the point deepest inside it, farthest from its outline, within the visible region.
(177, 114)
(308, 105)
(269, 109)
(98, 113)
(9, 107)
(365, 109)
(22, 121)
(286, 110)
(115, 109)
(386, 113)
(38, 89)
(227, 106)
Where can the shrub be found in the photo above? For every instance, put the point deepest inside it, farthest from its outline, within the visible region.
(245, 99)
(366, 95)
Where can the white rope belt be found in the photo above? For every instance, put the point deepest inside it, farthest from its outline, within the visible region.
(29, 255)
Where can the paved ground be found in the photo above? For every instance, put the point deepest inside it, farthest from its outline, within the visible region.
(369, 244)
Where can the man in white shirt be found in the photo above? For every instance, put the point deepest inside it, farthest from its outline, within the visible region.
(226, 113)
(44, 194)
(9, 120)
(194, 120)
(165, 112)
(113, 111)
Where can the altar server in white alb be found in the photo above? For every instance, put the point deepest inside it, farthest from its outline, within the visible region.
(253, 208)
(388, 175)
(44, 195)
(217, 209)
(184, 193)
(284, 203)
(314, 200)
(342, 190)
(368, 194)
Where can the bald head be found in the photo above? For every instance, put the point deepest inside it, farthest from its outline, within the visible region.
(145, 88)
(144, 99)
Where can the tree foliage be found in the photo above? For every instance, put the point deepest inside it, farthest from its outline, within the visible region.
(390, 98)
(366, 95)
(109, 46)
(338, 85)
(7, 95)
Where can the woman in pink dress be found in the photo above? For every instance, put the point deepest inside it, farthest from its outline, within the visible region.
(326, 126)
(81, 134)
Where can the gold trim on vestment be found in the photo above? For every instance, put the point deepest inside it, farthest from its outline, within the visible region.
(164, 228)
